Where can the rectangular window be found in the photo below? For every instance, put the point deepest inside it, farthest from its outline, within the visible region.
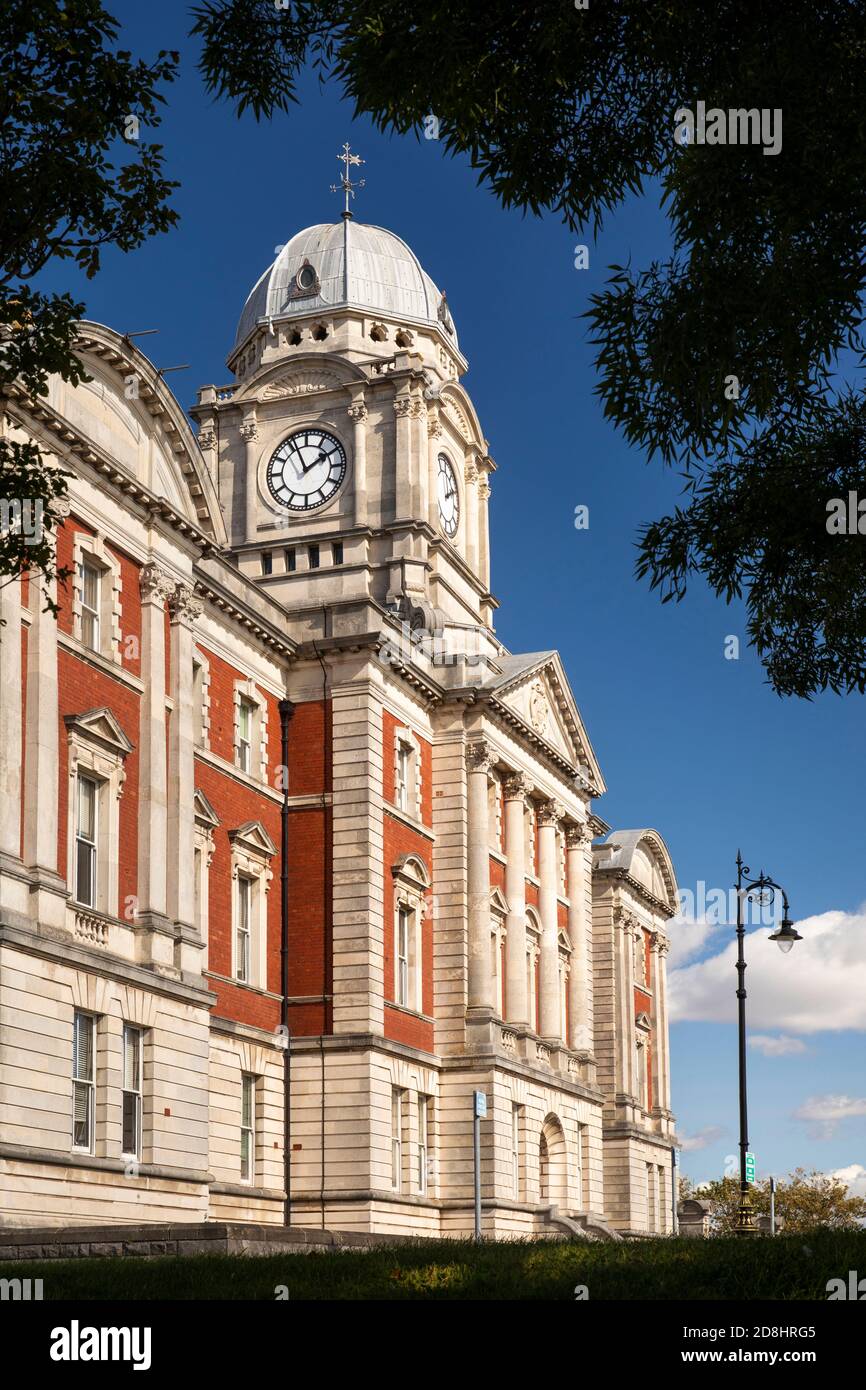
(338, 552)
(248, 1127)
(396, 1139)
(197, 861)
(313, 556)
(198, 703)
(423, 1140)
(91, 594)
(404, 929)
(87, 792)
(404, 773)
(515, 1151)
(83, 1080)
(131, 1091)
(246, 713)
(291, 560)
(243, 928)
(267, 562)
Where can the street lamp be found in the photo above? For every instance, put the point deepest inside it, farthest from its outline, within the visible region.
(764, 891)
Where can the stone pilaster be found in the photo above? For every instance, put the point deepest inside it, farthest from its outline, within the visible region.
(403, 405)
(480, 965)
(184, 608)
(484, 470)
(470, 494)
(357, 412)
(550, 1025)
(434, 440)
(250, 436)
(11, 770)
(41, 776)
(156, 588)
(577, 837)
(516, 1002)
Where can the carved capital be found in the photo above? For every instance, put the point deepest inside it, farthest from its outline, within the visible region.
(478, 756)
(483, 491)
(576, 836)
(470, 471)
(357, 411)
(156, 586)
(207, 439)
(250, 431)
(549, 813)
(516, 786)
(184, 605)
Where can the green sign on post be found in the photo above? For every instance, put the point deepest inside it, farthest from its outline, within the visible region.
(750, 1167)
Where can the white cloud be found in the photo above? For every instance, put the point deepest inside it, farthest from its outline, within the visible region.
(820, 984)
(854, 1178)
(703, 1138)
(688, 937)
(823, 1114)
(776, 1047)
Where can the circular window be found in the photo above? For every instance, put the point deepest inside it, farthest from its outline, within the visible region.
(306, 277)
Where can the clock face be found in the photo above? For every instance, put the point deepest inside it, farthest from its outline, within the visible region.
(448, 497)
(306, 470)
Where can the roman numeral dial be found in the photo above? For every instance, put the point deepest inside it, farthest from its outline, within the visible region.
(306, 470)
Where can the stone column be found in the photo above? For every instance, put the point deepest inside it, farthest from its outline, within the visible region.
(434, 437)
(470, 494)
(250, 435)
(516, 1002)
(548, 816)
(358, 415)
(660, 1032)
(184, 608)
(623, 1002)
(478, 878)
(41, 774)
(156, 587)
(402, 456)
(483, 529)
(577, 837)
(11, 770)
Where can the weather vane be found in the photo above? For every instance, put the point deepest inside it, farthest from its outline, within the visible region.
(347, 159)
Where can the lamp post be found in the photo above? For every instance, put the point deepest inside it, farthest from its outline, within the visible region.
(764, 890)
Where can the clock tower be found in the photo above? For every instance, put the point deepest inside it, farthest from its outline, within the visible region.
(350, 463)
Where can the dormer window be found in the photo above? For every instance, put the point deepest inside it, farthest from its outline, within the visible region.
(307, 278)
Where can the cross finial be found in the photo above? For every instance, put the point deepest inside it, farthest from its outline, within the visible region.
(347, 159)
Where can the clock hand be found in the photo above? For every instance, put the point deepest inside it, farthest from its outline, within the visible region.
(323, 458)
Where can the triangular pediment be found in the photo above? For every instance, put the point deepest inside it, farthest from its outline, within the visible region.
(253, 837)
(203, 810)
(534, 687)
(100, 726)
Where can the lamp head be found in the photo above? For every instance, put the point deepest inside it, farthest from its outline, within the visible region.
(786, 935)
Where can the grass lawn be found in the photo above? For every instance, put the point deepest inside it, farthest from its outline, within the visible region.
(730, 1268)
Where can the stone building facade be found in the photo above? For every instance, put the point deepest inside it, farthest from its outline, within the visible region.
(460, 919)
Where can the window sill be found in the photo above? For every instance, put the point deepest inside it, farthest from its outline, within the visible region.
(411, 821)
(410, 1013)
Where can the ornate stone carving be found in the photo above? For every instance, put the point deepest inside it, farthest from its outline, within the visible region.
(156, 586)
(549, 813)
(576, 836)
(470, 471)
(483, 491)
(207, 439)
(294, 384)
(478, 756)
(250, 431)
(408, 406)
(515, 786)
(357, 411)
(539, 709)
(184, 605)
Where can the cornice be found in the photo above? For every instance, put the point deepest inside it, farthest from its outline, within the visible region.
(620, 876)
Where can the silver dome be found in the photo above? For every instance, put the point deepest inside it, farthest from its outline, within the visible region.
(355, 265)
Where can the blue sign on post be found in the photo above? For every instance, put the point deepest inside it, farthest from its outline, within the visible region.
(480, 1105)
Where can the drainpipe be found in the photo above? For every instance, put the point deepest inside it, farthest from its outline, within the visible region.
(286, 709)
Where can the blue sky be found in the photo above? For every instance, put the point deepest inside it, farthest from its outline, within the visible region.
(689, 742)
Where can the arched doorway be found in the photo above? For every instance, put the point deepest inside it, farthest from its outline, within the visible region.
(552, 1164)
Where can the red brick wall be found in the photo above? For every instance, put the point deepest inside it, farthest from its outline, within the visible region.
(390, 725)
(80, 688)
(400, 839)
